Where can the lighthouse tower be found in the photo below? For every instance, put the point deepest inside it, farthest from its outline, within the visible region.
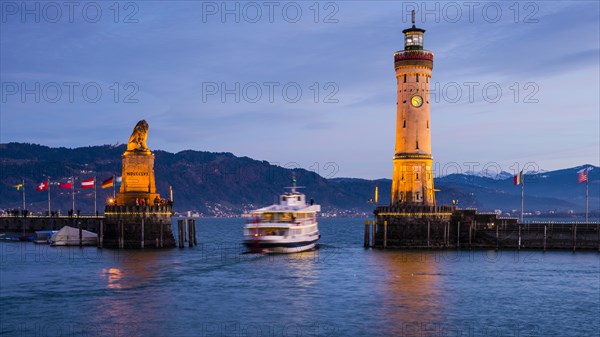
(412, 180)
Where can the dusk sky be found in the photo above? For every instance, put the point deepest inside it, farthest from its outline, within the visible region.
(171, 61)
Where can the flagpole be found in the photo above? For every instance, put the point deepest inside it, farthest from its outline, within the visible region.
(73, 192)
(23, 187)
(49, 208)
(114, 187)
(95, 199)
(586, 195)
(522, 197)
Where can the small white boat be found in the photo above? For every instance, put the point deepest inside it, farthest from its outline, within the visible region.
(287, 227)
(69, 236)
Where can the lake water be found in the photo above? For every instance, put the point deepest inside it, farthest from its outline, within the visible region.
(340, 289)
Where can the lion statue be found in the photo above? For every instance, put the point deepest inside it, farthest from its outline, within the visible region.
(137, 141)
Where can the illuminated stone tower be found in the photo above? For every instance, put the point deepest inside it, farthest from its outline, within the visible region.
(412, 180)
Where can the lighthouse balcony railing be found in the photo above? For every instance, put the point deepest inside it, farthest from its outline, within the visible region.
(413, 54)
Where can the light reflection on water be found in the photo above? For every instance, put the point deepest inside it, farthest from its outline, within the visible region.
(340, 289)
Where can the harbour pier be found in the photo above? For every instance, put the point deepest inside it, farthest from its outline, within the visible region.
(446, 227)
(29, 224)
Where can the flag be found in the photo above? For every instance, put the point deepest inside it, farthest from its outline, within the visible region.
(68, 185)
(582, 176)
(108, 183)
(88, 183)
(118, 182)
(18, 187)
(518, 179)
(43, 186)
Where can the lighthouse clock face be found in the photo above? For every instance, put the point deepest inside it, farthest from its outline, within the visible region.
(416, 101)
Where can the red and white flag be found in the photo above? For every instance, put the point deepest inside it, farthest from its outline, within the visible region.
(43, 186)
(88, 183)
(582, 175)
(518, 179)
(68, 185)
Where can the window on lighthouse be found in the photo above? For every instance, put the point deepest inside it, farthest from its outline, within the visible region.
(414, 39)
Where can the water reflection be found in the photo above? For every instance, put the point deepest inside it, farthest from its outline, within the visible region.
(129, 286)
(413, 297)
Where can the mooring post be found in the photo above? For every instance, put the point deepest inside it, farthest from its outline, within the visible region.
(545, 236)
(497, 238)
(470, 230)
(191, 232)
(143, 225)
(101, 236)
(366, 236)
(195, 234)
(444, 234)
(180, 233)
(598, 231)
(519, 243)
(458, 235)
(428, 234)
(574, 236)
(80, 233)
(385, 234)
(186, 228)
(373, 230)
(161, 234)
(121, 235)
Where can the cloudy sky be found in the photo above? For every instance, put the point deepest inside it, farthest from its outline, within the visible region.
(305, 84)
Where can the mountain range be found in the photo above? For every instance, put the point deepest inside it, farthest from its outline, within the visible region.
(224, 184)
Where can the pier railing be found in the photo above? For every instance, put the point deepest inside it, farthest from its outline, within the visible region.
(414, 210)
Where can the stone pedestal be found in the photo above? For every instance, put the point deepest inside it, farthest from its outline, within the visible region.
(138, 179)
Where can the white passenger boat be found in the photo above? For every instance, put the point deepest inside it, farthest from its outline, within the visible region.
(289, 226)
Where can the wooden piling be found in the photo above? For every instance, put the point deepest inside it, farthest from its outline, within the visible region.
(190, 232)
(545, 236)
(458, 235)
(185, 225)
(470, 234)
(366, 237)
(574, 237)
(444, 234)
(428, 234)
(161, 234)
(373, 230)
(121, 235)
(195, 234)
(142, 242)
(519, 243)
(180, 233)
(80, 233)
(385, 225)
(497, 238)
(101, 236)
